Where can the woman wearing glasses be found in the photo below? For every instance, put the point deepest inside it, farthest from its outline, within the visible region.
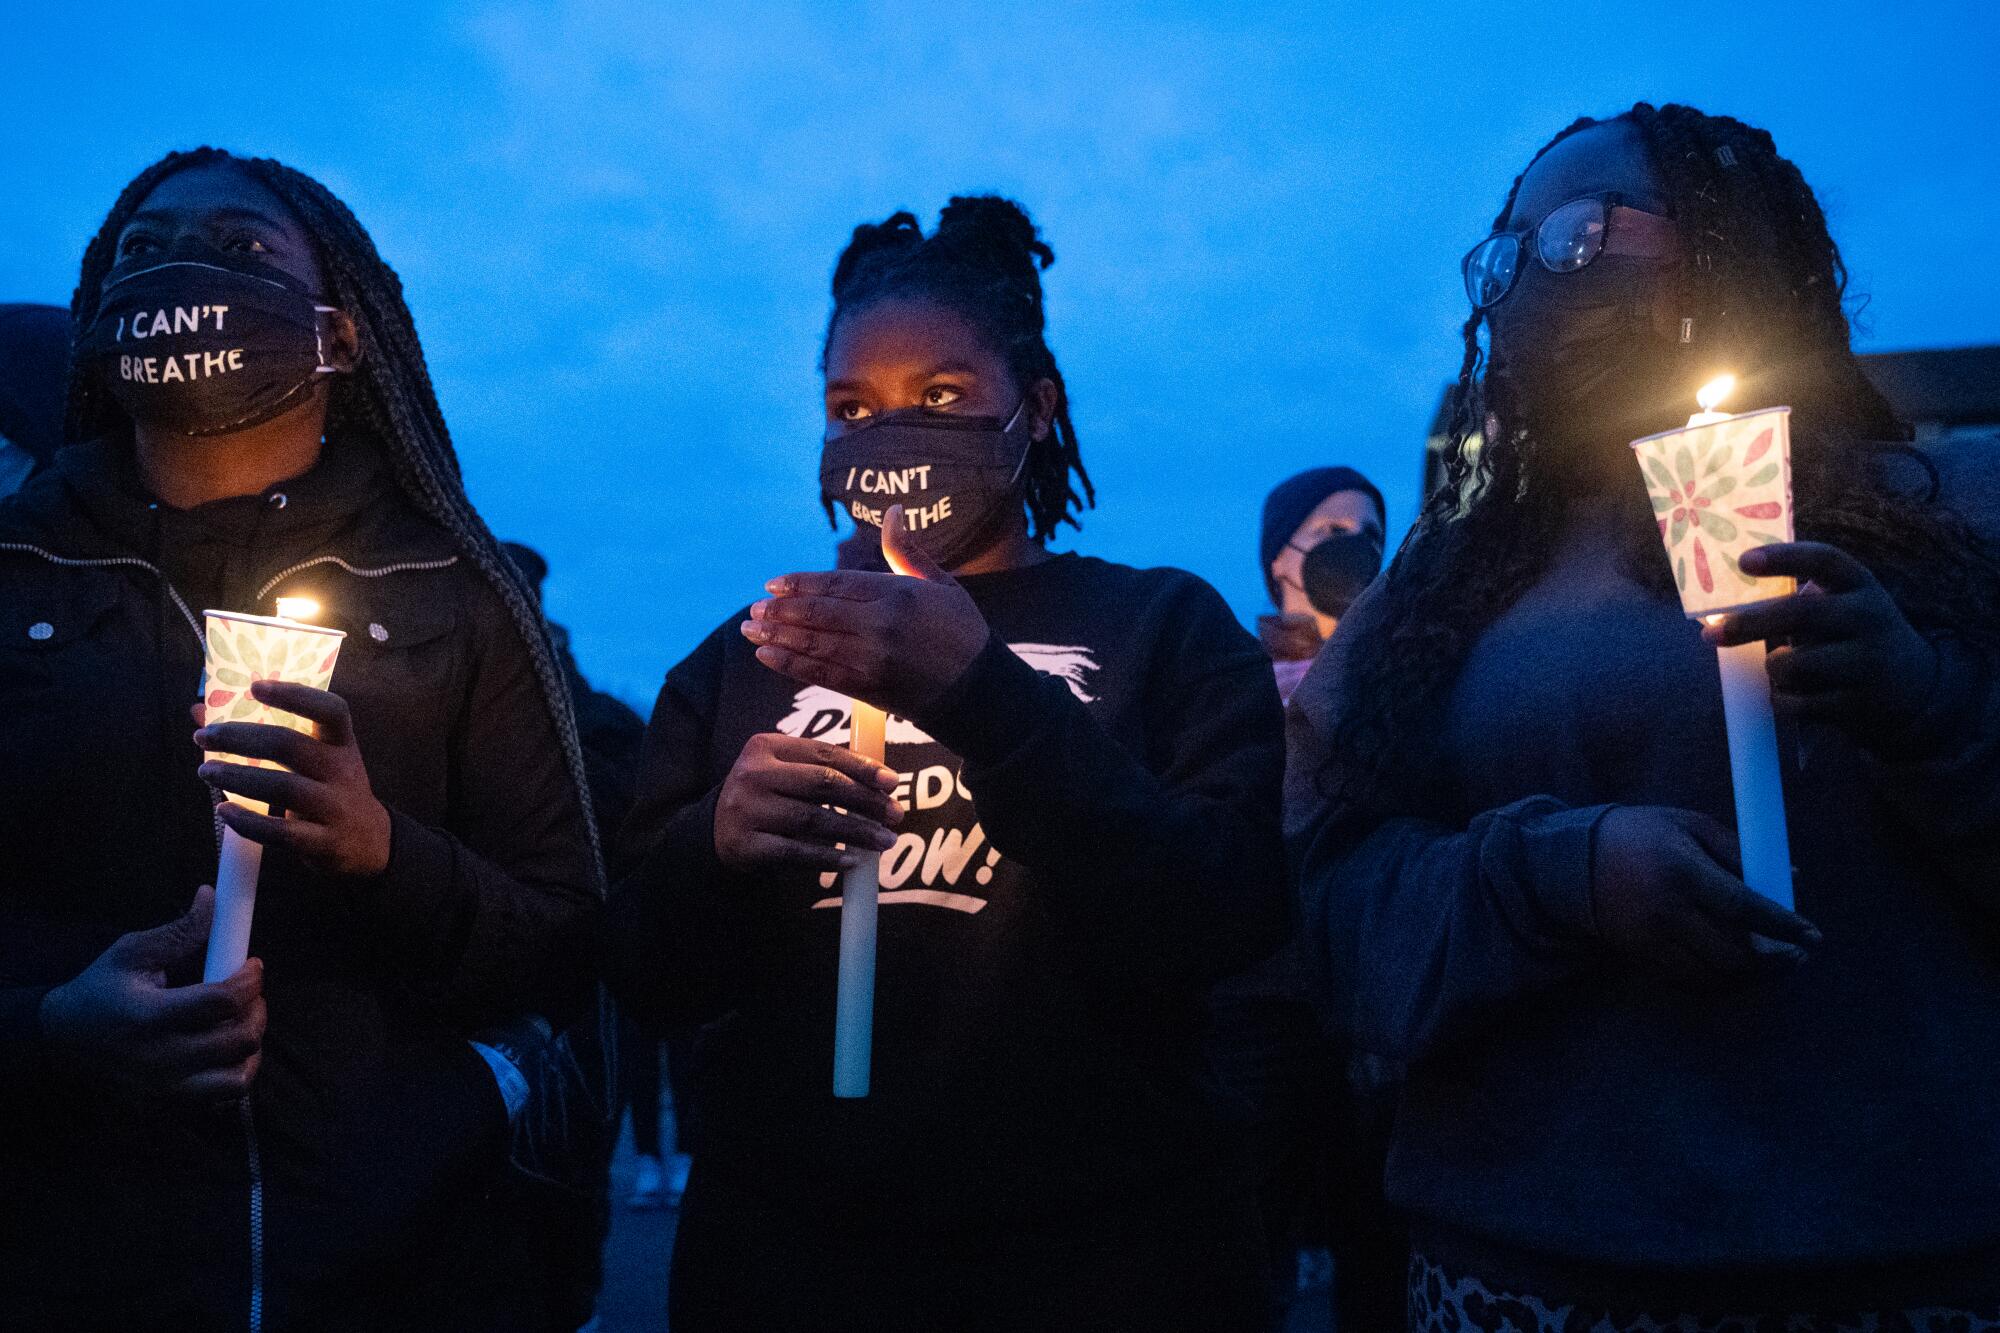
(1640, 1095)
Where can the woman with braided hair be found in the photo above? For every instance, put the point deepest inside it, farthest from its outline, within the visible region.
(250, 417)
(1076, 832)
(1639, 1095)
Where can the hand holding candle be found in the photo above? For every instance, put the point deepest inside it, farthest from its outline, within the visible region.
(1666, 896)
(249, 731)
(118, 1023)
(772, 815)
(896, 642)
(1849, 656)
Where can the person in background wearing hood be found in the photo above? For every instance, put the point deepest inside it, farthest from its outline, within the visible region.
(1319, 545)
(1312, 1114)
(310, 1143)
(34, 369)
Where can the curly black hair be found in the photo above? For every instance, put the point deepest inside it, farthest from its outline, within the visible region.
(984, 263)
(388, 401)
(1762, 284)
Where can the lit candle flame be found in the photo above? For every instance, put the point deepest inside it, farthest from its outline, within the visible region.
(1711, 394)
(298, 608)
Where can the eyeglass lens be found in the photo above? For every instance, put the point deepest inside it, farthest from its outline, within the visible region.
(1489, 269)
(1572, 236)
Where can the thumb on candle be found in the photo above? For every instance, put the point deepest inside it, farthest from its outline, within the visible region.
(903, 553)
(179, 941)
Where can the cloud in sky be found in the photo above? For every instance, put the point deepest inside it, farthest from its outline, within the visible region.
(616, 221)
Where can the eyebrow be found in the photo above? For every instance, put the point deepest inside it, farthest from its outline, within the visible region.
(231, 212)
(930, 372)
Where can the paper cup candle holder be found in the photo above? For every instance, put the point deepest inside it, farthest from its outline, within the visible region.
(1721, 486)
(244, 649)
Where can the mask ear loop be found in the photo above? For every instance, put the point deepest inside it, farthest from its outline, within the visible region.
(319, 342)
(1021, 466)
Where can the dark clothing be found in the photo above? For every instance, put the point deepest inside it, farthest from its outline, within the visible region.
(1969, 470)
(34, 374)
(745, 1263)
(376, 1125)
(555, 1211)
(611, 736)
(639, 1057)
(1272, 1065)
(1315, 1125)
(1563, 1105)
(1091, 841)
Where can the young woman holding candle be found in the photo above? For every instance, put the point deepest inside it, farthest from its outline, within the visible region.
(272, 432)
(1076, 829)
(1640, 1096)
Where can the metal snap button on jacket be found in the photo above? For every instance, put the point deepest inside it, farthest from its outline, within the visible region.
(40, 630)
(377, 633)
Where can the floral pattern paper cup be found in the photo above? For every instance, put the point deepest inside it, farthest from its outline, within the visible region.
(244, 649)
(1720, 489)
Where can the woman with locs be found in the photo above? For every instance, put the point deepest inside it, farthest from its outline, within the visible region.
(313, 1142)
(1076, 829)
(1640, 1096)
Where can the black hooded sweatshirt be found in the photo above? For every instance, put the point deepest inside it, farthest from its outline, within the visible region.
(374, 1124)
(1091, 839)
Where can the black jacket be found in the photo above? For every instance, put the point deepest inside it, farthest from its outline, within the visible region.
(373, 1120)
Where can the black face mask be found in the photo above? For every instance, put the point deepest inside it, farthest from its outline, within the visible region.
(958, 478)
(1335, 571)
(1581, 361)
(203, 342)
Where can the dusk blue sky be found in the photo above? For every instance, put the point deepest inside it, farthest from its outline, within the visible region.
(615, 222)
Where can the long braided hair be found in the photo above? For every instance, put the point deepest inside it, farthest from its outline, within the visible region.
(1761, 280)
(388, 401)
(984, 264)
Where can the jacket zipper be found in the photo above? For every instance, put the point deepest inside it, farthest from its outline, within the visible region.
(256, 1156)
(358, 572)
(254, 1152)
(180, 603)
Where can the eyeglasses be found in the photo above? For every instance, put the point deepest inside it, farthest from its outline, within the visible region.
(1565, 241)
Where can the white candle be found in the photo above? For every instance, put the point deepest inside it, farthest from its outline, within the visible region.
(1753, 770)
(854, 1002)
(235, 905)
(1761, 835)
(860, 901)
